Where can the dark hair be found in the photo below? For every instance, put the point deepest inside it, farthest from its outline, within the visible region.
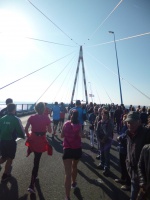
(74, 117)
(40, 108)
(11, 107)
(9, 100)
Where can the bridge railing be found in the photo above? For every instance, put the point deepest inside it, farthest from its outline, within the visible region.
(22, 109)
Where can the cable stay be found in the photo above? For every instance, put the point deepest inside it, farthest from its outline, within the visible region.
(104, 20)
(121, 77)
(40, 40)
(96, 74)
(127, 38)
(53, 81)
(34, 72)
(51, 21)
(70, 70)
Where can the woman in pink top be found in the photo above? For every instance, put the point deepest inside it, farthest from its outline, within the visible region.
(36, 141)
(72, 151)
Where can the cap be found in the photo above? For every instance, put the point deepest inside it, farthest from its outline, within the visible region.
(132, 116)
(78, 102)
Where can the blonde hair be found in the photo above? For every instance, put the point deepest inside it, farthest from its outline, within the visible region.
(40, 107)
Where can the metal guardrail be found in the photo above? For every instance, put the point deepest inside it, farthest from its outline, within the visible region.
(22, 109)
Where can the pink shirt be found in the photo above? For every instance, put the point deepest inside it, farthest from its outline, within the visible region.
(72, 138)
(39, 123)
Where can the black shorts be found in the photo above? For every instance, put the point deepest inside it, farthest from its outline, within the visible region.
(8, 149)
(72, 154)
(55, 122)
(62, 120)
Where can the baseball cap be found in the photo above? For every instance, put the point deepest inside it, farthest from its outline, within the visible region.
(132, 116)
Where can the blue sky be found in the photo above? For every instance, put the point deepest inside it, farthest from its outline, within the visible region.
(67, 25)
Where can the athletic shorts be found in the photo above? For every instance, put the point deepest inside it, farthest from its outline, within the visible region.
(8, 149)
(74, 154)
(62, 120)
(55, 122)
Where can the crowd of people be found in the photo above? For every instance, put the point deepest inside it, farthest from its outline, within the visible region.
(132, 126)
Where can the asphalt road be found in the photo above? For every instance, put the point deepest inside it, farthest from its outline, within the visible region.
(92, 184)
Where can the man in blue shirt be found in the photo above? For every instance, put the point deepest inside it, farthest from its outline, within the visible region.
(56, 117)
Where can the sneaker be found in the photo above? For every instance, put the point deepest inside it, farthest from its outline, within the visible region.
(106, 172)
(98, 157)
(125, 187)
(74, 185)
(118, 180)
(31, 189)
(5, 177)
(100, 166)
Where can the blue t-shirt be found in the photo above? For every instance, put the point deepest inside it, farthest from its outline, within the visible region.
(56, 112)
(80, 114)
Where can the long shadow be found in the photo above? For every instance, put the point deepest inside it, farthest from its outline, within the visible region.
(9, 190)
(107, 186)
(56, 143)
(38, 187)
(77, 193)
(88, 160)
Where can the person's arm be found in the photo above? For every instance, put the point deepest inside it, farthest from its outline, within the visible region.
(141, 168)
(19, 129)
(26, 128)
(49, 128)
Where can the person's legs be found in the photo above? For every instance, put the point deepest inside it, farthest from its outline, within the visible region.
(92, 137)
(134, 189)
(8, 165)
(74, 170)
(37, 157)
(68, 167)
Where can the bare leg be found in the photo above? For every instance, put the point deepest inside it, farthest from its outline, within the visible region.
(8, 165)
(67, 165)
(74, 170)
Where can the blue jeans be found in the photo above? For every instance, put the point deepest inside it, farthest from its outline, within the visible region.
(105, 154)
(134, 188)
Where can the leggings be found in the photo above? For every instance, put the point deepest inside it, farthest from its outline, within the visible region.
(37, 157)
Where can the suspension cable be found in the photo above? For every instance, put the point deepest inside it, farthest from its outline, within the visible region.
(121, 77)
(51, 21)
(62, 83)
(105, 20)
(34, 72)
(53, 81)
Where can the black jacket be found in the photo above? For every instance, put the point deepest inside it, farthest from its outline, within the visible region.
(144, 166)
(134, 148)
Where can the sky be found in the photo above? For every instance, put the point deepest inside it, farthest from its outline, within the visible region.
(40, 42)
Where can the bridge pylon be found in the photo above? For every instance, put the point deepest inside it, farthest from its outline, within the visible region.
(77, 73)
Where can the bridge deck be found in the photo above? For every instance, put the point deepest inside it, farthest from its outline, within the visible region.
(92, 184)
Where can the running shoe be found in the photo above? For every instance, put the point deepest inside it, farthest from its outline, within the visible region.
(74, 185)
(31, 189)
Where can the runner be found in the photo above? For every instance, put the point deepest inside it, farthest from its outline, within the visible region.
(63, 111)
(56, 117)
(10, 129)
(36, 141)
(72, 132)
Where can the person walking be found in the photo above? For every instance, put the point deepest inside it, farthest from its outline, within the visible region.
(105, 134)
(10, 129)
(137, 137)
(72, 150)
(4, 111)
(56, 117)
(36, 142)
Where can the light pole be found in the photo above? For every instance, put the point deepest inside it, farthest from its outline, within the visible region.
(117, 66)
